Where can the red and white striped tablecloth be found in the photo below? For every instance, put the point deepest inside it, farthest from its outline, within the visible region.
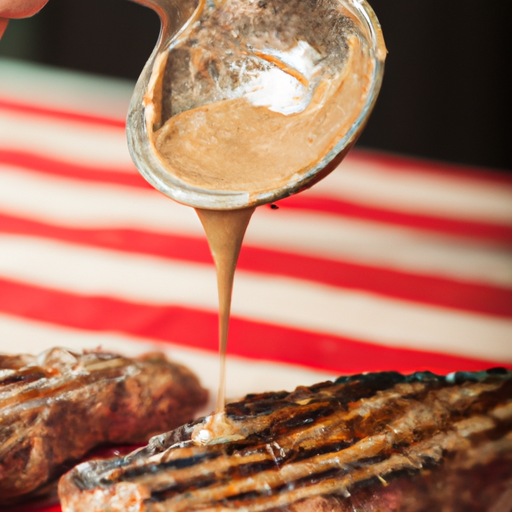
(389, 263)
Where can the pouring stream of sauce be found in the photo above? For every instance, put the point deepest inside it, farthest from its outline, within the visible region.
(225, 230)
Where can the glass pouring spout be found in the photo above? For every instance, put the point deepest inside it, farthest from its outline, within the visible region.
(244, 102)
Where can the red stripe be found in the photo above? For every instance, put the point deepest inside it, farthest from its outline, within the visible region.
(438, 291)
(63, 115)
(128, 177)
(198, 329)
(483, 230)
(37, 505)
(307, 201)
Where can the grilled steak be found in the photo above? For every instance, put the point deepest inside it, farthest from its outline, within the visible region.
(56, 407)
(374, 442)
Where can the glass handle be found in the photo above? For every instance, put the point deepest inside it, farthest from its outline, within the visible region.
(173, 13)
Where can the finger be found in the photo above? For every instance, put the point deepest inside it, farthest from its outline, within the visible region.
(20, 8)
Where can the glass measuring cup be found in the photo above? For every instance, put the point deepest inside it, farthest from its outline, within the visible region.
(244, 102)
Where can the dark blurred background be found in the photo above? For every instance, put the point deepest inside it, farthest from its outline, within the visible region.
(446, 89)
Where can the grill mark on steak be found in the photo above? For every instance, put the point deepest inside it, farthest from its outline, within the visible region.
(359, 434)
(298, 443)
(295, 472)
(62, 405)
(26, 376)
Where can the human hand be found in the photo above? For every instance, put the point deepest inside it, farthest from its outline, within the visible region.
(18, 9)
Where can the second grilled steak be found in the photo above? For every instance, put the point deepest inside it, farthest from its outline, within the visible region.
(56, 407)
(377, 442)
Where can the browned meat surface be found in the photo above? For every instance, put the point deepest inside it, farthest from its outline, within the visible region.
(56, 407)
(376, 442)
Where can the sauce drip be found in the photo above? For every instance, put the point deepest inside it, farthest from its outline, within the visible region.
(225, 230)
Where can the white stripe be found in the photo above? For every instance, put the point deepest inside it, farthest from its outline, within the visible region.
(287, 302)
(64, 89)
(243, 375)
(371, 183)
(80, 204)
(73, 142)
(74, 203)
